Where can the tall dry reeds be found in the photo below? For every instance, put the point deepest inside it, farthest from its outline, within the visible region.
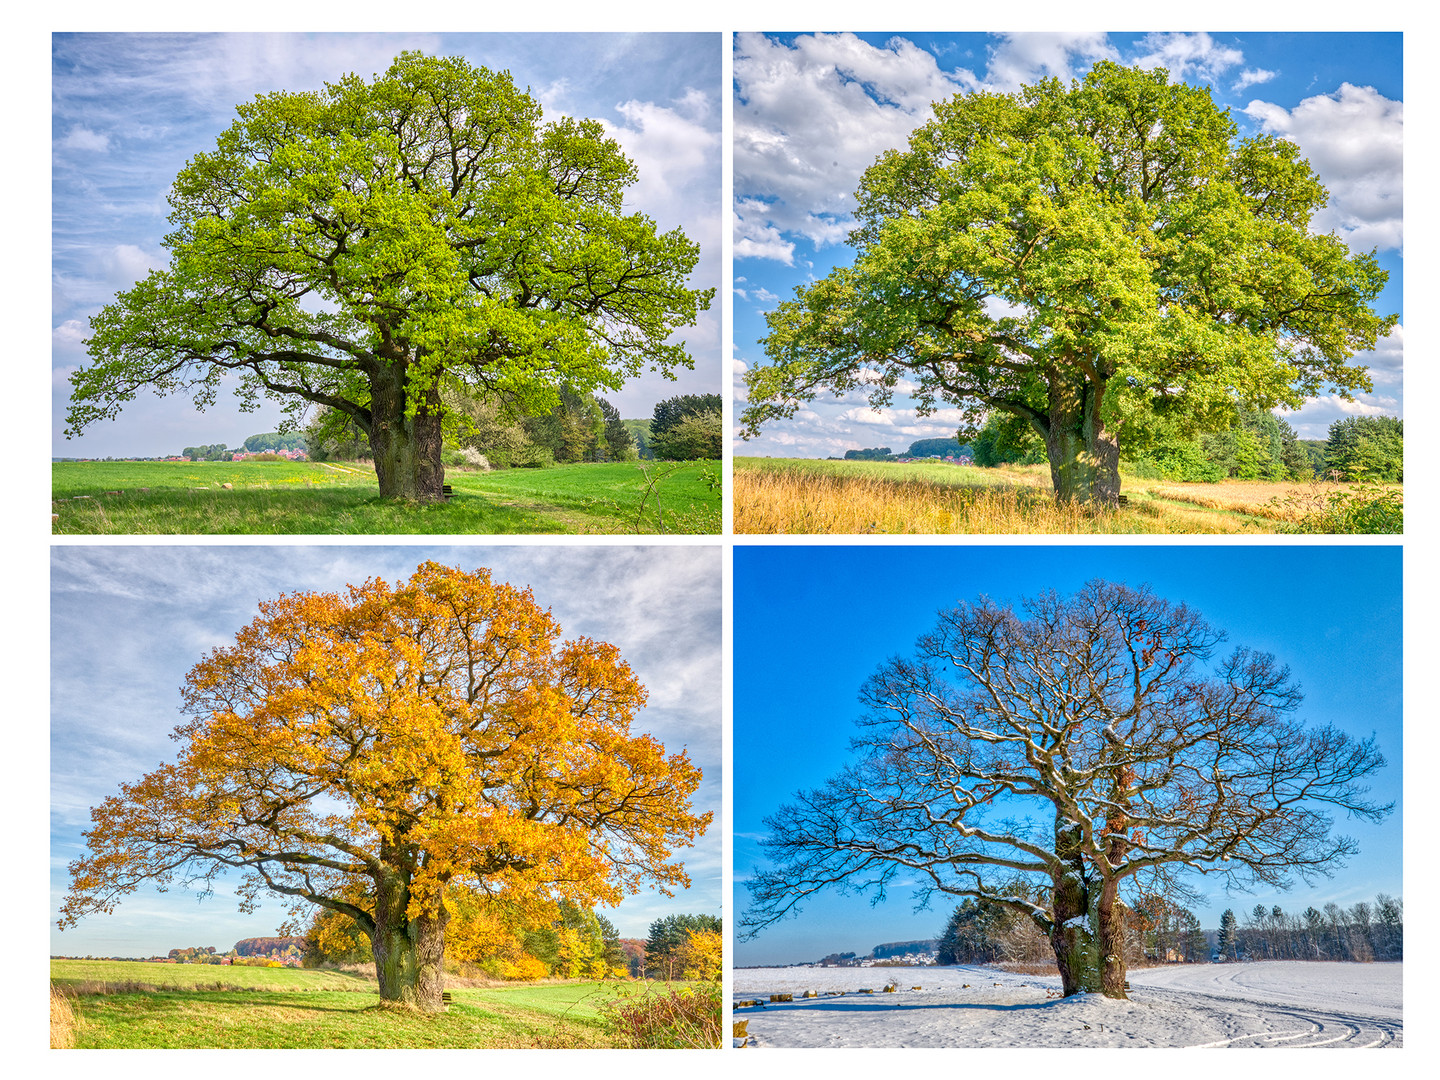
(64, 1024)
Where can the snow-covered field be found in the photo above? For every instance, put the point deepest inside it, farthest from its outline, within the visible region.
(1279, 1003)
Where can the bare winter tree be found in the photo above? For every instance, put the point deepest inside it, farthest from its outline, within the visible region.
(1087, 744)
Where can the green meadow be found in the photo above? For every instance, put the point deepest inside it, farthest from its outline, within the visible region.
(135, 1004)
(313, 498)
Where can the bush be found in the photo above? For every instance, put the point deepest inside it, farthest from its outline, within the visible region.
(1363, 510)
(684, 1019)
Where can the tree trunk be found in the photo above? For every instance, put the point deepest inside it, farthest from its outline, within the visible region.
(1072, 929)
(409, 953)
(1084, 457)
(1111, 927)
(407, 448)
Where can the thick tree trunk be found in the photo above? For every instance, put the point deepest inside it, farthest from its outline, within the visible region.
(1112, 941)
(407, 448)
(1084, 457)
(409, 953)
(1072, 933)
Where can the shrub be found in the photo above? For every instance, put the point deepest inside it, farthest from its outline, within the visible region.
(1363, 510)
(685, 1019)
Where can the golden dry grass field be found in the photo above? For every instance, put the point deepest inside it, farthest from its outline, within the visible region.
(855, 497)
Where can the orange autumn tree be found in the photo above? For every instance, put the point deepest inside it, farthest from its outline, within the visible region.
(364, 752)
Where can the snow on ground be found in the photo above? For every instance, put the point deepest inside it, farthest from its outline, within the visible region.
(1277, 1003)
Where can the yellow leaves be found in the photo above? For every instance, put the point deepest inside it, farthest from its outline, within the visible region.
(700, 955)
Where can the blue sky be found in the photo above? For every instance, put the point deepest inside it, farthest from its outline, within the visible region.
(812, 111)
(128, 623)
(812, 623)
(129, 110)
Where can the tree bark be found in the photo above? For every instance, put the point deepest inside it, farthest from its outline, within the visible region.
(1072, 930)
(406, 447)
(1084, 457)
(409, 953)
(1112, 941)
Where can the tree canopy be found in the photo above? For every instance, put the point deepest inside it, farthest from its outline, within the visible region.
(1087, 259)
(365, 246)
(1082, 746)
(372, 752)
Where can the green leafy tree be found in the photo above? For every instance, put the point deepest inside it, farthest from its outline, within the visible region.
(1006, 440)
(671, 411)
(878, 453)
(696, 436)
(619, 444)
(364, 246)
(667, 938)
(937, 448)
(1367, 448)
(1081, 258)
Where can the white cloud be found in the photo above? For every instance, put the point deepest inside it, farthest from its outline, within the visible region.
(1252, 77)
(1354, 139)
(81, 138)
(1018, 60)
(755, 239)
(809, 118)
(1188, 56)
(673, 149)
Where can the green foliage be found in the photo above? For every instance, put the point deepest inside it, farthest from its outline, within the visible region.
(275, 440)
(937, 448)
(640, 432)
(668, 936)
(213, 452)
(879, 453)
(1367, 448)
(672, 411)
(367, 245)
(331, 435)
(694, 437)
(305, 498)
(1255, 445)
(1081, 257)
(1368, 509)
(1006, 440)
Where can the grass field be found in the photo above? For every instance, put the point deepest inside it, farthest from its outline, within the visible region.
(122, 1004)
(311, 498)
(806, 496)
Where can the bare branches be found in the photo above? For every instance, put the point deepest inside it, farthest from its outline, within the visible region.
(1099, 727)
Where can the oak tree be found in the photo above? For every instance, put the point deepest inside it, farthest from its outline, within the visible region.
(1088, 259)
(1086, 747)
(365, 246)
(371, 751)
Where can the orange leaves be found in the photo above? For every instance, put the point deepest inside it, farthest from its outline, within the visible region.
(439, 729)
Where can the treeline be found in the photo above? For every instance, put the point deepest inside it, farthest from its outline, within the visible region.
(270, 441)
(1362, 932)
(506, 940)
(581, 428)
(271, 949)
(937, 448)
(1160, 931)
(1257, 445)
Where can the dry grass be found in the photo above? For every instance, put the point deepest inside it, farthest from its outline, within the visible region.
(64, 1024)
(818, 497)
(802, 501)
